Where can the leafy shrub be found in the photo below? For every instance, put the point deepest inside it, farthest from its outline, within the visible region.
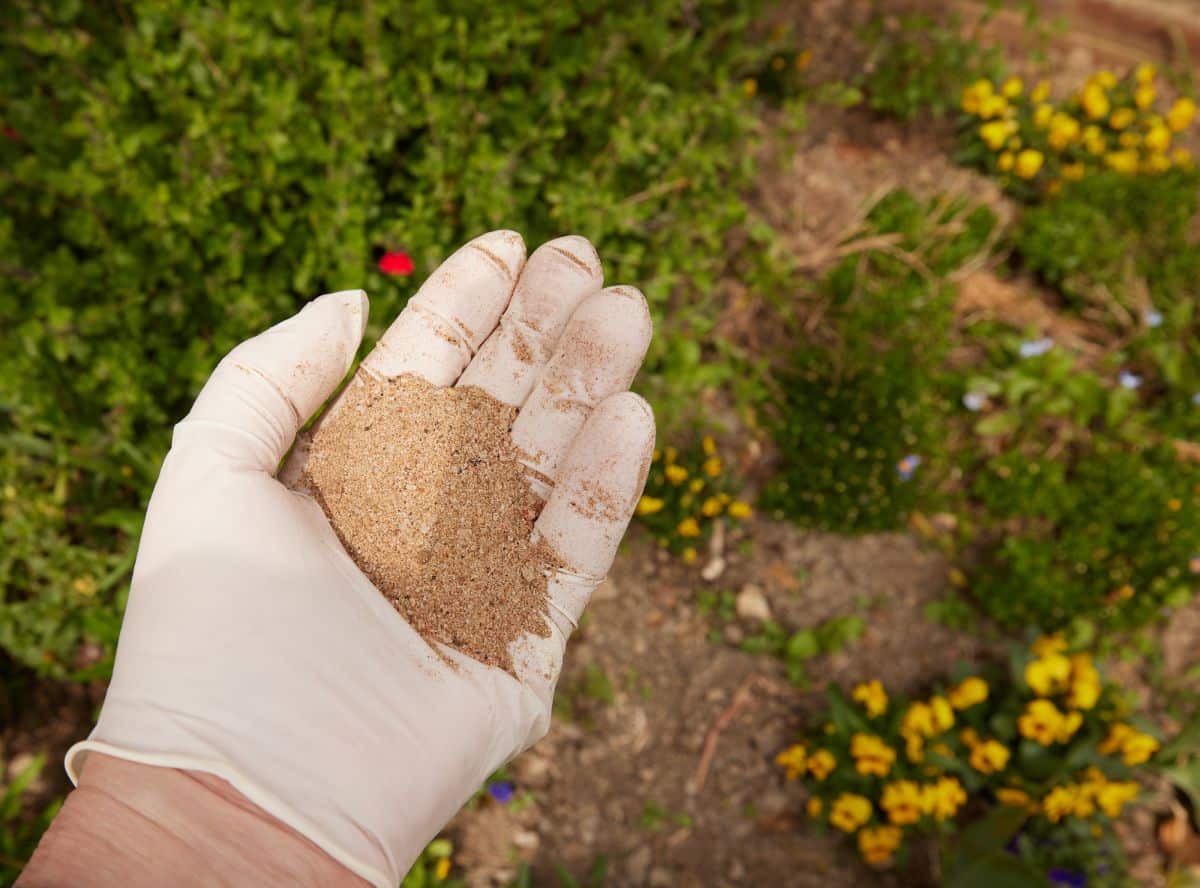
(1110, 230)
(686, 494)
(1081, 508)
(857, 415)
(180, 175)
(920, 64)
(1046, 736)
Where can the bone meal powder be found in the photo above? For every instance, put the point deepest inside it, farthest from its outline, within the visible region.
(425, 489)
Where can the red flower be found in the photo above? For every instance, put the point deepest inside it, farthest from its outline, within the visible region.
(395, 262)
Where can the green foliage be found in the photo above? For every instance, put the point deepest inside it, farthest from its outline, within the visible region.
(860, 400)
(1108, 231)
(20, 829)
(432, 868)
(182, 175)
(920, 64)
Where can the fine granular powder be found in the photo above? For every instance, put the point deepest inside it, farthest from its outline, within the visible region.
(425, 489)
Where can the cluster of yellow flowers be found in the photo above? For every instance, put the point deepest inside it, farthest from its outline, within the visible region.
(1110, 124)
(688, 498)
(945, 739)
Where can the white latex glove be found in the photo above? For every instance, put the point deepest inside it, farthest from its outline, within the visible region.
(254, 649)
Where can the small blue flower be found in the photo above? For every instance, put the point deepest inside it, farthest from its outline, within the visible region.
(502, 791)
(908, 466)
(1031, 348)
(1153, 318)
(974, 401)
(1130, 380)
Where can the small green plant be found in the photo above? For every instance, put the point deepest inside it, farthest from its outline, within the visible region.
(920, 64)
(1045, 735)
(581, 696)
(857, 413)
(654, 816)
(20, 828)
(797, 648)
(687, 492)
(433, 868)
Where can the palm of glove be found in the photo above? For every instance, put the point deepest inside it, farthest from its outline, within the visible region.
(253, 647)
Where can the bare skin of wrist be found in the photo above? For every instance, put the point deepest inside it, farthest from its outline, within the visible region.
(134, 825)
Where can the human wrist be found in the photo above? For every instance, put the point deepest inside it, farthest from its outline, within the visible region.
(131, 824)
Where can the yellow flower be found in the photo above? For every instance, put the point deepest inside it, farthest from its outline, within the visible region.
(1040, 722)
(1104, 78)
(1121, 118)
(1181, 115)
(989, 757)
(943, 798)
(1156, 163)
(969, 737)
(995, 133)
(1064, 129)
(1118, 733)
(1145, 73)
(739, 509)
(696, 485)
(1158, 138)
(1070, 723)
(1004, 162)
(878, 844)
(1129, 139)
(648, 505)
(1042, 115)
(973, 96)
(749, 87)
(1181, 157)
(871, 755)
(441, 869)
(1040, 93)
(1060, 802)
(711, 507)
(992, 106)
(1073, 172)
(688, 527)
(1085, 683)
(1138, 749)
(1094, 141)
(914, 748)
(676, 474)
(689, 555)
(708, 445)
(969, 692)
(903, 802)
(1122, 161)
(1028, 163)
(1048, 674)
(942, 714)
(849, 812)
(1111, 797)
(1145, 95)
(85, 586)
(672, 454)
(917, 721)
(872, 696)
(1013, 87)
(821, 764)
(1014, 798)
(712, 466)
(1095, 102)
(794, 759)
(814, 807)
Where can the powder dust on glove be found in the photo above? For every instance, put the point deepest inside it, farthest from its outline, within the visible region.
(424, 487)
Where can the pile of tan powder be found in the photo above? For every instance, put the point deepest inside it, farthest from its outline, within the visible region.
(424, 488)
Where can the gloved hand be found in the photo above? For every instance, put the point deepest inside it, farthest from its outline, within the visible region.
(255, 650)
